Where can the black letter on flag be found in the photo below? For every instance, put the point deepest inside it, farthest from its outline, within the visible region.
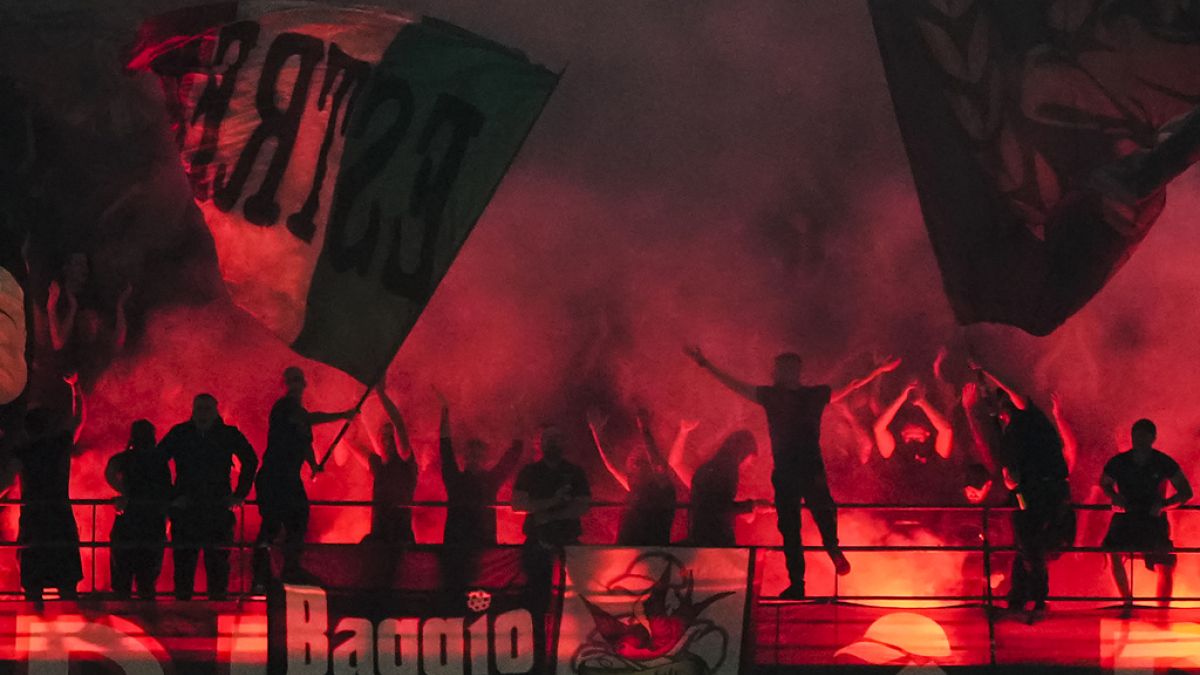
(282, 125)
(213, 103)
(353, 73)
(431, 190)
(355, 178)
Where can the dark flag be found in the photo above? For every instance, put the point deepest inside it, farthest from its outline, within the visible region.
(1041, 136)
(340, 156)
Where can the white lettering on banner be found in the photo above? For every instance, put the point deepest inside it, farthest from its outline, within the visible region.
(356, 655)
(400, 638)
(402, 646)
(442, 646)
(48, 644)
(306, 624)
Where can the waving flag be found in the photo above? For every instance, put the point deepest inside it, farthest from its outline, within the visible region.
(340, 156)
(1013, 113)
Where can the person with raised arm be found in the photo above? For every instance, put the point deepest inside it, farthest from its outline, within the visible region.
(917, 436)
(279, 488)
(202, 519)
(1136, 481)
(650, 511)
(394, 473)
(142, 480)
(1030, 453)
(794, 422)
(47, 534)
(471, 490)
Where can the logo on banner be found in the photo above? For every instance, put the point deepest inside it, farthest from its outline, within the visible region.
(631, 611)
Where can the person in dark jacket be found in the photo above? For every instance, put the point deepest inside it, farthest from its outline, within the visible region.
(282, 501)
(394, 474)
(1030, 452)
(142, 479)
(202, 518)
(48, 535)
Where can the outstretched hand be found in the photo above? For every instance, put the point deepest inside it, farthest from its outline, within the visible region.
(440, 396)
(688, 426)
(694, 353)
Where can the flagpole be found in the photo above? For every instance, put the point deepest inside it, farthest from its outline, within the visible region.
(345, 427)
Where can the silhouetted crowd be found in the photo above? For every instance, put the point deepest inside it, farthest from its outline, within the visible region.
(186, 479)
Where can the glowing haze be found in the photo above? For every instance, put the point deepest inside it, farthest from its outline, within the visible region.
(728, 174)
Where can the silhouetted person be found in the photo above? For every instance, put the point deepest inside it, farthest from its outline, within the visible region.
(282, 501)
(470, 495)
(393, 478)
(48, 535)
(142, 479)
(202, 518)
(714, 487)
(553, 494)
(650, 510)
(1136, 481)
(80, 334)
(1034, 469)
(794, 420)
(915, 440)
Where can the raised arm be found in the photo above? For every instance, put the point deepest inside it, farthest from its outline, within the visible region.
(450, 471)
(943, 442)
(61, 326)
(78, 406)
(743, 389)
(683, 470)
(1070, 441)
(596, 421)
(983, 441)
(397, 420)
(120, 323)
(1018, 400)
(888, 366)
(652, 449)
(884, 438)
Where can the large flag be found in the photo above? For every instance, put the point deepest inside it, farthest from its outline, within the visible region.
(340, 157)
(1011, 112)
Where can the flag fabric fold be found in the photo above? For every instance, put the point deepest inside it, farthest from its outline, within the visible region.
(1013, 113)
(340, 157)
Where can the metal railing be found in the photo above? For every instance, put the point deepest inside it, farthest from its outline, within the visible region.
(987, 548)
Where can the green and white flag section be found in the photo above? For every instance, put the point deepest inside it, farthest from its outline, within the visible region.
(340, 156)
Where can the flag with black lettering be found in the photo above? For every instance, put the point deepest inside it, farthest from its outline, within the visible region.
(1022, 120)
(340, 157)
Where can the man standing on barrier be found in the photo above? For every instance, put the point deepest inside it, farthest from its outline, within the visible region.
(282, 501)
(202, 518)
(1035, 470)
(794, 421)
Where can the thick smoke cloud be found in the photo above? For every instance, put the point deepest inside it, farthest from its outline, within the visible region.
(724, 173)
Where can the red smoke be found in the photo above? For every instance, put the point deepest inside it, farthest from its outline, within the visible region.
(731, 177)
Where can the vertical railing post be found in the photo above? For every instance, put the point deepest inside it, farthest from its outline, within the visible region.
(94, 544)
(987, 584)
